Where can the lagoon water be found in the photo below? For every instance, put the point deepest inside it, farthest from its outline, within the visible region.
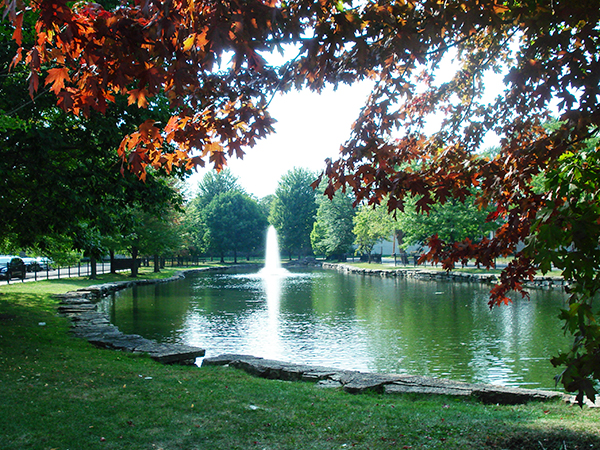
(386, 325)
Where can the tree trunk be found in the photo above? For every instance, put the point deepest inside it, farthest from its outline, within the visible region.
(93, 268)
(156, 264)
(134, 265)
(113, 269)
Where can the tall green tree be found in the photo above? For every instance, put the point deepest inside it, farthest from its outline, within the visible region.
(293, 212)
(234, 223)
(453, 221)
(216, 183)
(153, 234)
(212, 185)
(372, 224)
(332, 234)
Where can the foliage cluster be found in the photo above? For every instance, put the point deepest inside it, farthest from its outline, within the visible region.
(60, 184)
(223, 219)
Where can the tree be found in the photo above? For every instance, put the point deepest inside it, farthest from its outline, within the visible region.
(453, 221)
(293, 211)
(153, 234)
(332, 231)
(372, 224)
(212, 185)
(59, 174)
(234, 223)
(215, 183)
(567, 233)
(548, 50)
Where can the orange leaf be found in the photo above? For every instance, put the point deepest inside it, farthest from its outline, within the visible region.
(57, 76)
(202, 39)
(18, 33)
(212, 147)
(138, 96)
(189, 42)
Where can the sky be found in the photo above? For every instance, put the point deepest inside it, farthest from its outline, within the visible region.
(310, 128)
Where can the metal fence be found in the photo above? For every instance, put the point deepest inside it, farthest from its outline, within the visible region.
(84, 269)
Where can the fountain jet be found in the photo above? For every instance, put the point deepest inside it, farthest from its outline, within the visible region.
(272, 258)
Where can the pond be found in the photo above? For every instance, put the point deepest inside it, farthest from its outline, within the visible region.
(347, 321)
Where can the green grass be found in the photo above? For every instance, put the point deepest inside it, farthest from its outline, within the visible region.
(59, 392)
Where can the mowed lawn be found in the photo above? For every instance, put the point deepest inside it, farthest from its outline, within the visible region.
(59, 392)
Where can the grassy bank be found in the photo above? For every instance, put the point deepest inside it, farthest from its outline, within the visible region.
(59, 392)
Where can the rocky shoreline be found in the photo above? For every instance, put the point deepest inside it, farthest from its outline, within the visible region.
(356, 382)
(542, 282)
(80, 307)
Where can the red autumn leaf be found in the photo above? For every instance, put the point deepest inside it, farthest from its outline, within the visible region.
(34, 82)
(18, 33)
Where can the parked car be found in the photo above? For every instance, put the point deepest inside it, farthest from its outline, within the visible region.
(44, 263)
(32, 265)
(14, 268)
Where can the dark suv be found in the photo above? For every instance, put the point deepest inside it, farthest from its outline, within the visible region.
(15, 268)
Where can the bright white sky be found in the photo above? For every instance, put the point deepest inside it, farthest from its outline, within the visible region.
(310, 128)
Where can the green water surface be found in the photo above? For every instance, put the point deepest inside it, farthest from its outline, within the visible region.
(388, 325)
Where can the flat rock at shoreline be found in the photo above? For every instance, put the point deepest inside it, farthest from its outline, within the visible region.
(90, 324)
(357, 382)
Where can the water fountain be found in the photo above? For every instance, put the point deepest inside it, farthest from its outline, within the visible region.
(272, 258)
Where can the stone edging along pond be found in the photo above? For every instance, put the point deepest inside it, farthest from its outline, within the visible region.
(542, 282)
(90, 324)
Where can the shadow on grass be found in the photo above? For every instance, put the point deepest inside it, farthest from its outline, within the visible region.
(556, 439)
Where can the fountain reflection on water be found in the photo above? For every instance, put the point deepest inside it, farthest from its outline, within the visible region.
(272, 274)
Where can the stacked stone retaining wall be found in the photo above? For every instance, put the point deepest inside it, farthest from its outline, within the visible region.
(423, 274)
(88, 323)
